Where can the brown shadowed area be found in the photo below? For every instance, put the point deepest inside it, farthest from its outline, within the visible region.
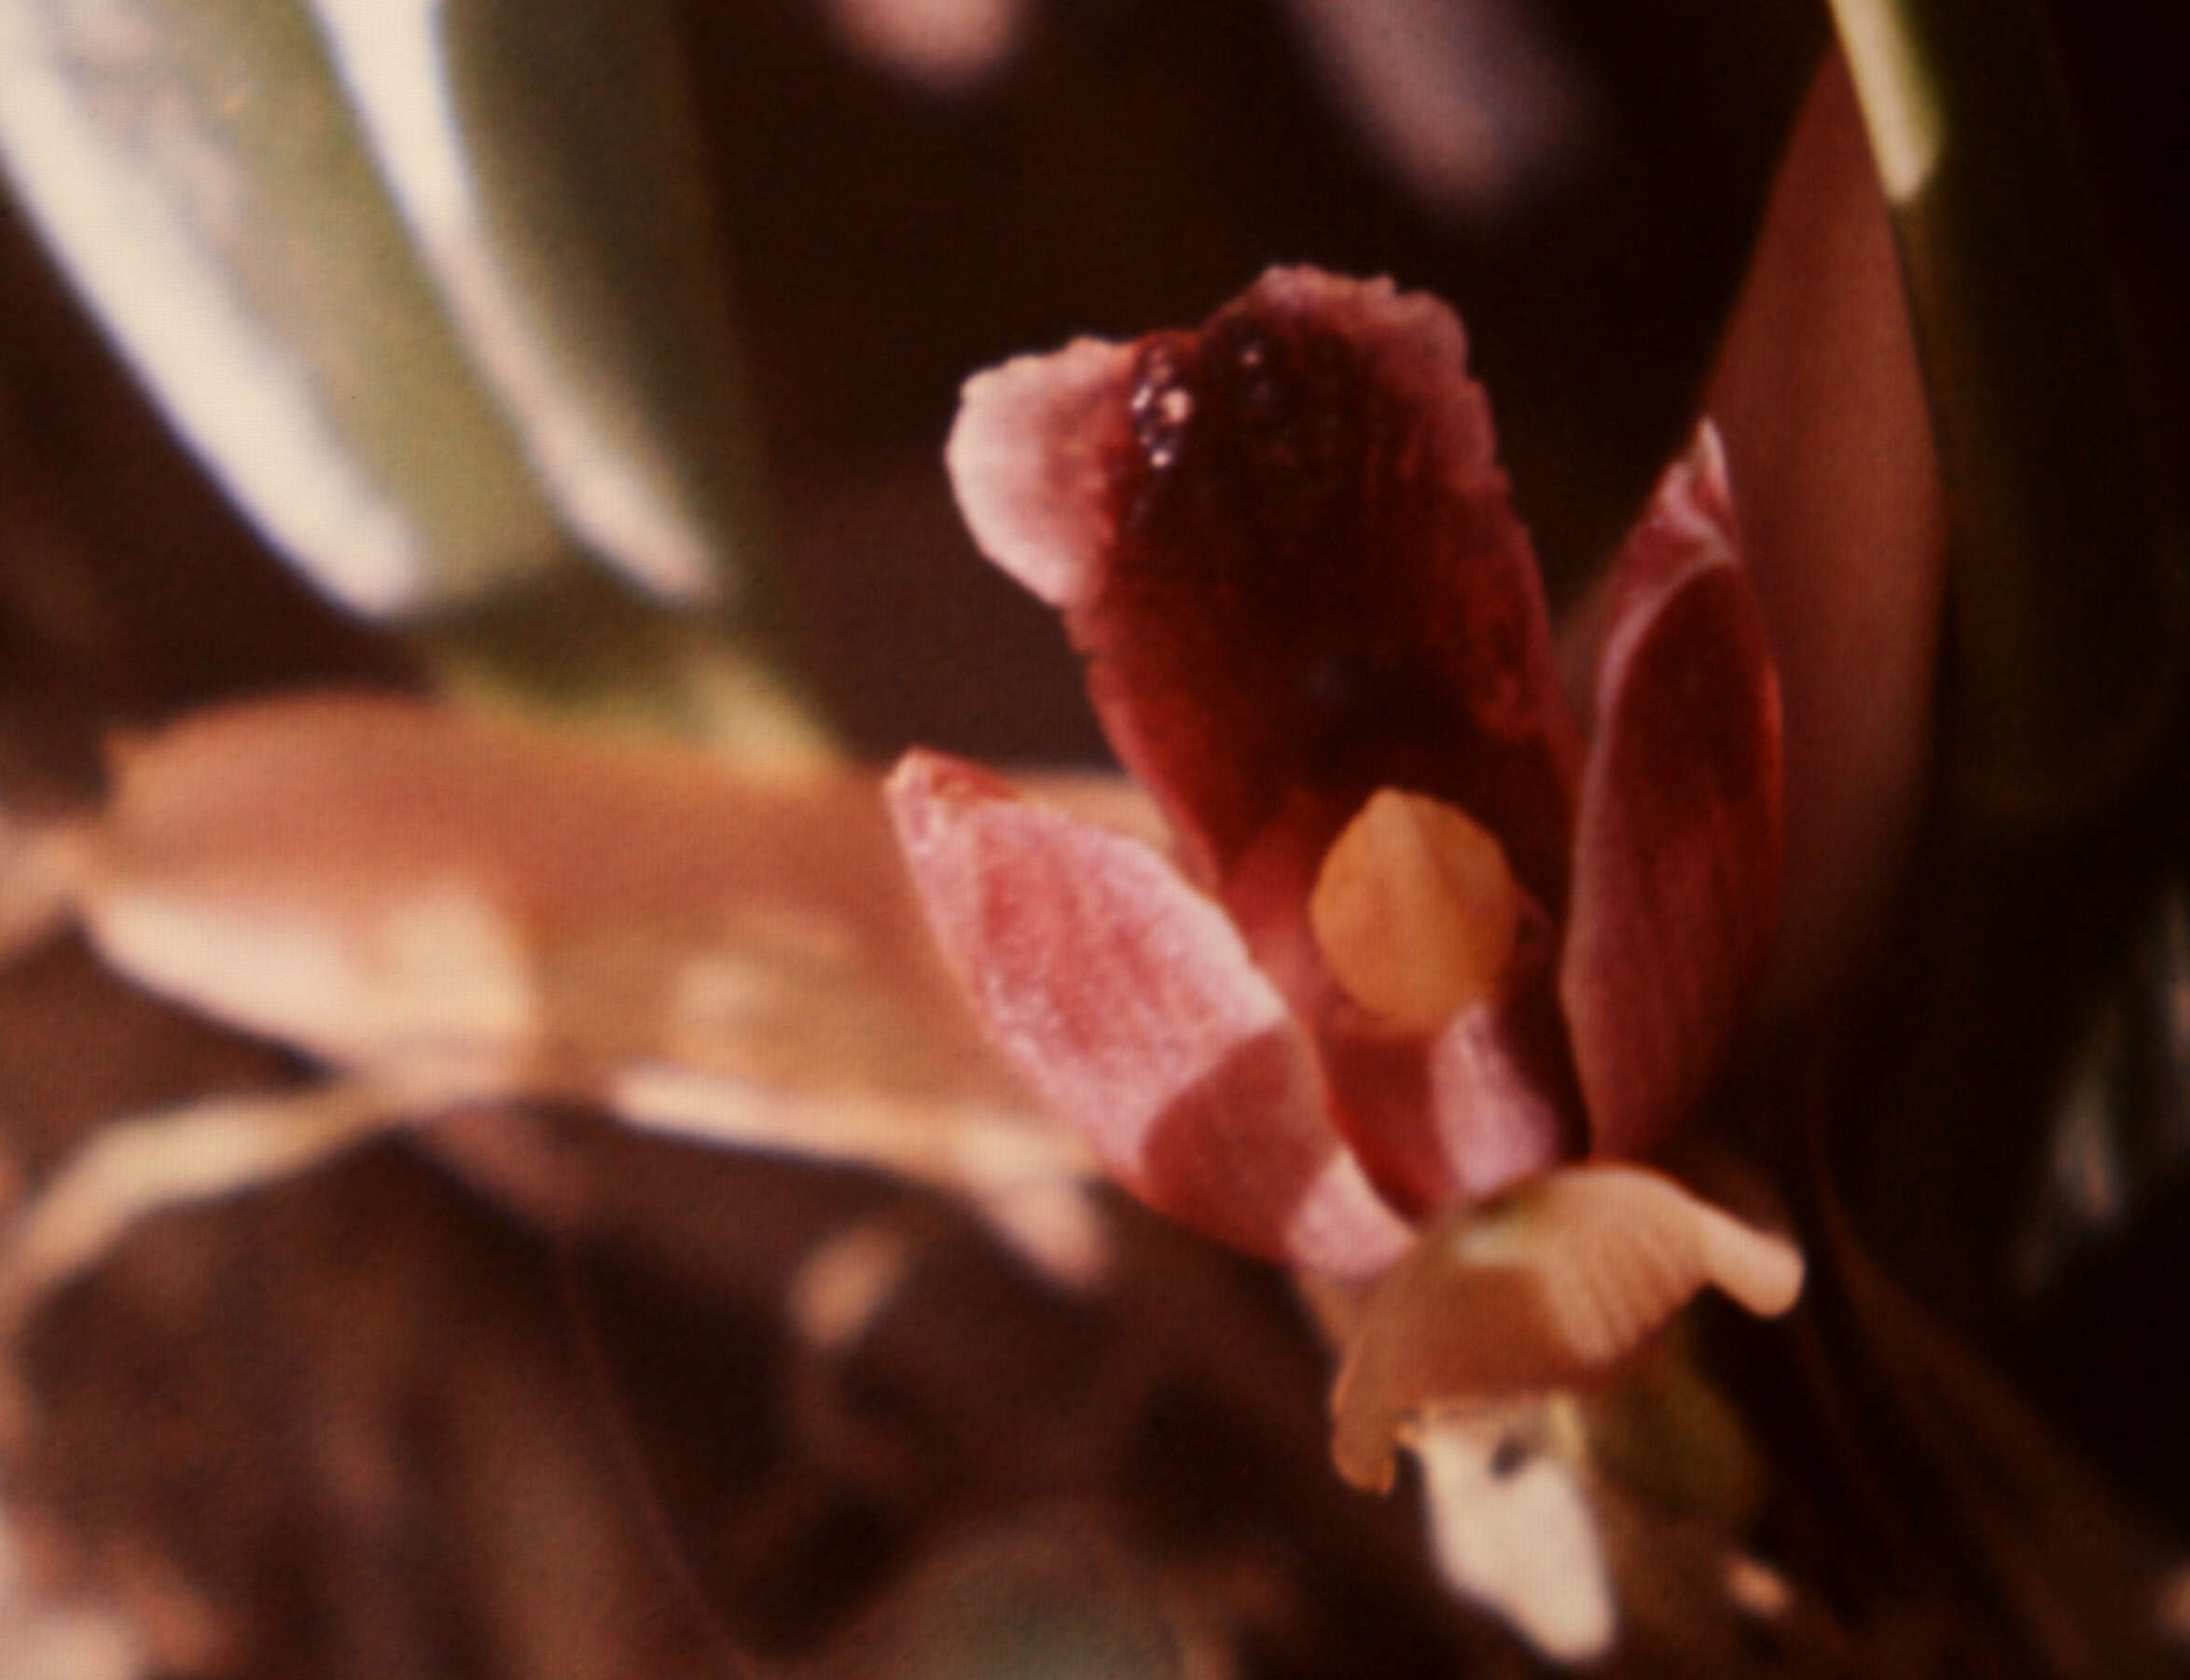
(544, 1397)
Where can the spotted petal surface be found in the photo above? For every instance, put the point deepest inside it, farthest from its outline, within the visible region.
(1284, 547)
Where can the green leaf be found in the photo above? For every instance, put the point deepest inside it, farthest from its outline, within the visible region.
(430, 289)
(195, 169)
(544, 156)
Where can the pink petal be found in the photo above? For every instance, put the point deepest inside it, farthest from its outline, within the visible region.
(1677, 846)
(1500, 1093)
(1295, 575)
(1462, 1113)
(1029, 457)
(1130, 1002)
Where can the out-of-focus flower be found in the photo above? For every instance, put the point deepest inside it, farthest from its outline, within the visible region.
(945, 46)
(1417, 944)
(1468, 101)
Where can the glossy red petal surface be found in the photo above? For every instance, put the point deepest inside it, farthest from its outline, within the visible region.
(1308, 582)
(1678, 840)
(1128, 1001)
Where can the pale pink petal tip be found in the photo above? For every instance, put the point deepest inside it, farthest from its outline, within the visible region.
(1130, 1005)
(1550, 1287)
(1027, 458)
(1699, 479)
(1688, 526)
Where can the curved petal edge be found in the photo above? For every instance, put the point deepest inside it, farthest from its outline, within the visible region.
(1028, 458)
(1677, 839)
(1130, 1002)
(1551, 1286)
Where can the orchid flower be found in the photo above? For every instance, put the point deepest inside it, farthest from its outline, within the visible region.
(1423, 938)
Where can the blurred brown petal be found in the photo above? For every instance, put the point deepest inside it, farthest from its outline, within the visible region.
(443, 909)
(1829, 446)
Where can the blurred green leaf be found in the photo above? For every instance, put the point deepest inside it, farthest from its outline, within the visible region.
(544, 156)
(195, 169)
(429, 287)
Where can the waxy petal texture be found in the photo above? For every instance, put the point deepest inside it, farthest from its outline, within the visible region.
(1030, 456)
(1414, 939)
(1677, 844)
(1415, 910)
(1550, 1287)
(1441, 1042)
(1308, 582)
(1130, 1002)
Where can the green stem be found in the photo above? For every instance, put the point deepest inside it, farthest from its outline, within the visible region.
(2067, 614)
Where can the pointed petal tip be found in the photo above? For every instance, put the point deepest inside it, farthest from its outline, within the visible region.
(926, 790)
(1365, 1449)
(1688, 527)
(1128, 1001)
(1701, 479)
(923, 772)
(1027, 456)
(1708, 449)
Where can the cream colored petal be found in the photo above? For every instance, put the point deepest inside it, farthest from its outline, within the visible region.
(1550, 1287)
